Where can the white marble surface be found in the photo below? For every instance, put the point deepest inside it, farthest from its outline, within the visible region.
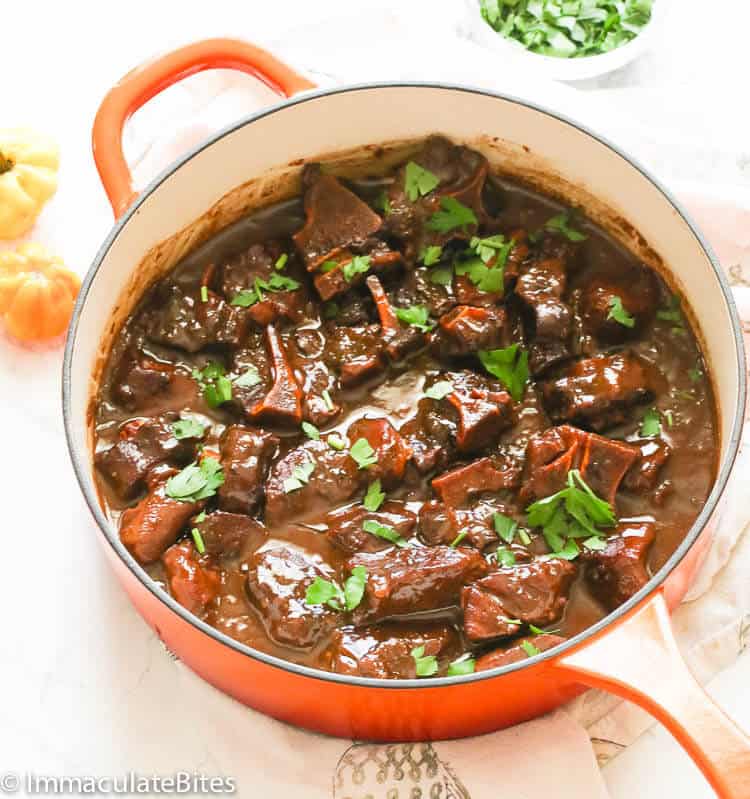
(87, 688)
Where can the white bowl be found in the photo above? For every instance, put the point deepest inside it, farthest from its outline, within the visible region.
(515, 54)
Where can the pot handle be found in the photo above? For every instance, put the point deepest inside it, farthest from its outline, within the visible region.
(147, 80)
(639, 660)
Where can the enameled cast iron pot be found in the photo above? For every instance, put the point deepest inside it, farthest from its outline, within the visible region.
(632, 652)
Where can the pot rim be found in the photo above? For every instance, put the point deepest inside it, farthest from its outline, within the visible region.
(81, 463)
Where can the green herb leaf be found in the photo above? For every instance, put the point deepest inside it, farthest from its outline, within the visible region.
(188, 428)
(198, 541)
(426, 665)
(363, 453)
(357, 266)
(529, 648)
(419, 181)
(595, 543)
(335, 441)
(374, 496)
(300, 476)
(430, 255)
(201, 517)
(324, 592)
(463, 665)
(619, 314)
(416, 316)
(311, 431)
(536, 630)
(505, 527)
(328, 266)
(669, 416)
(459, 538)
(524, 537)
(384, 531)
(382, 202)
(695, 375)
(327, 399)
(196, 482)
(354, 587)
(505, 557)
(282, 283)
(561, 224)
(509, 365)
(441, 276)
(485, 278)
(249, 378)
(281, 261)
(651, 424)
(439, 390)
(217, 388)
(452, 215)
(204, 293)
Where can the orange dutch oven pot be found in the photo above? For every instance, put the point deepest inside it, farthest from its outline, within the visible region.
(632, 652)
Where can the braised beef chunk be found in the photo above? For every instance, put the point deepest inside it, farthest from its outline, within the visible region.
(461, 174)
(355, 353)
(530, 593)
(442, 524)
(143, 443)
(346, 526)
(550, 455)
(643, 475)
(516, 651)
(456, 487)
(598, 392)
(282, 405)
(190, 323)
(348, 360)
(295, 489)
(412, 579)
(616, 573)
(277, 583)
(192, 581)
(386, 652)
(541, 287)
(336, 218)
(246, 455)
(391, 452)
(154, 524)
(465, 329)
(636, 293)
(229, 534)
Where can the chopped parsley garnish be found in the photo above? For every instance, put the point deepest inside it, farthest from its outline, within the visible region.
(326, 592)
(419, 181)
(196, 482)
(463, 665)
(572, 513)
(673, 313)
(374, 496)
(431, 255)
(459, 538)
(300, 476)
(198, 541)
(651, 424)
(275, 283)
(441, 276)
(452, 215)
(201, 517)
(669, 416)
(439, 390)
(509, 365)
(354, 587)
(330, 310)
(524, 537)
(561, 224)
(357, 266)
(281, 261)
(249, 378)
(384, 531)
(311, 431)
(326, 394)
(695, 374)
(416, 316)
(204, 293)
(530, 649)
(567, 28)
(188, 428)
(335, 441)
(328, 266)
(618, 312)
(493, 247)
(505, 527)
(505, 557)
(426, 665)
(485, 278)
(216, 386)
(383, 203)
(363, 453)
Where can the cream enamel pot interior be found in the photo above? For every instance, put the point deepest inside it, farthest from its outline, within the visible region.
(257, 160)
